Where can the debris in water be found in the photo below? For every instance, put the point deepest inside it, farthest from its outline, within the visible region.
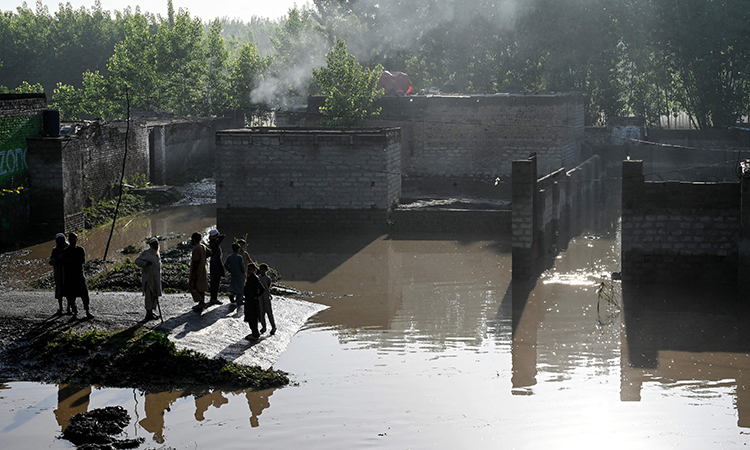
(96, 429)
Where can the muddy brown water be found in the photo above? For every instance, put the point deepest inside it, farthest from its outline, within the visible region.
(428, 344)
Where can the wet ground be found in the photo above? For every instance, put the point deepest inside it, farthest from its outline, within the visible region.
(428, 344)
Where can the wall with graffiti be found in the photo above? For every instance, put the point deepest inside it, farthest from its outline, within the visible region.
(20, 118)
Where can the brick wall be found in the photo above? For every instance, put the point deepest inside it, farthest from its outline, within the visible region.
(92, 160)
(678, 231)
(68, 173)
(478, 136)
(20, 118)
(186, 143)
(548, 211)
(308, 176)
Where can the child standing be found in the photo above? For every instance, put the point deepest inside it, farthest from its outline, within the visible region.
(265, 301)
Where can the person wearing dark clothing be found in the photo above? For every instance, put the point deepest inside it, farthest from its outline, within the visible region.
(56, 261)
(265, 301)
(216, 265)
(74, 283)
(253, 290)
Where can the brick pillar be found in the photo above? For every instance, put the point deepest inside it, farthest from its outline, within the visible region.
(743, 269)
(632, 188)
(47, 200)
(524, 218)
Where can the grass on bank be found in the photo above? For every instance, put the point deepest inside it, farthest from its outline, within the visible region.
(138, 358)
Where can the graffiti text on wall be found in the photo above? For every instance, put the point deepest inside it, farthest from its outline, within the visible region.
(13, 134)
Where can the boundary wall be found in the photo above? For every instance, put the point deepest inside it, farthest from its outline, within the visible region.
(177, 145)
(68, 173)
(680, 232)
(291, 178)
(477, 136)
(548, 211)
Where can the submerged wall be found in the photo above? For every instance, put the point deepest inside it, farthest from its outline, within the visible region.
(678, 231)
(275, 178)
(550, 210)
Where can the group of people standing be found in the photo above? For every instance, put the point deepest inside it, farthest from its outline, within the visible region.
(67, 260)
(249, 286)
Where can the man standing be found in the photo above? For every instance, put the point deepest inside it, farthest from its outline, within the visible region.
(216, 265)
(74, 283)
(150, 264)
(236, 267)
(56, 261)
(198, 281)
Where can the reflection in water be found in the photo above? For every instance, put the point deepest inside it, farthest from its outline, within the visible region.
(71, 400)
(695, 335)
(202, 402)
(257, 401)
(155, 406)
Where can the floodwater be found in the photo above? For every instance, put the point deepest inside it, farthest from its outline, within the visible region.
(428, 344)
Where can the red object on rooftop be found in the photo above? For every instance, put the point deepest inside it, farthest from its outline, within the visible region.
(395, 83)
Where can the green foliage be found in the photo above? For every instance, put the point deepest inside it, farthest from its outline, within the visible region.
(350, 88)
(139, 358)
(245, 73)
(102, 212)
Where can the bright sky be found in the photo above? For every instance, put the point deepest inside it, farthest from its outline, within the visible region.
(205, 9)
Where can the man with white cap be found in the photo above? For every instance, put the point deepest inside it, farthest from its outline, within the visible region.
(56, 261)
(150, 264)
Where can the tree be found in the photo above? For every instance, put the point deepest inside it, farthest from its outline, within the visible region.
(244, 77)
(350, 88)
(217, 79)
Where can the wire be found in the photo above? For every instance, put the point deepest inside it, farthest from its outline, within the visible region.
(497, 181)
(122, 176)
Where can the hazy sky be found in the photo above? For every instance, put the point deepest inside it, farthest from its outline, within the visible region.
(205, 9)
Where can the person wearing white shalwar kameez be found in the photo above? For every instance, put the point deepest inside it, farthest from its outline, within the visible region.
(150, 264)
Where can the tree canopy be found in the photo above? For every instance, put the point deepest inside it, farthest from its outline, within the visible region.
(628, 57)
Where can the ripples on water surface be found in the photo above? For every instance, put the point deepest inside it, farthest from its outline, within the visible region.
(427, 345)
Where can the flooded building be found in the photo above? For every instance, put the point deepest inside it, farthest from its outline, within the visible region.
(307, 178)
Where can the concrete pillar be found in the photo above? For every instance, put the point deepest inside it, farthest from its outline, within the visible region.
(524, 218)
(158, 156)
(743, 269)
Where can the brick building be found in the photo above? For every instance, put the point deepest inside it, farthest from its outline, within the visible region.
(311, 178)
